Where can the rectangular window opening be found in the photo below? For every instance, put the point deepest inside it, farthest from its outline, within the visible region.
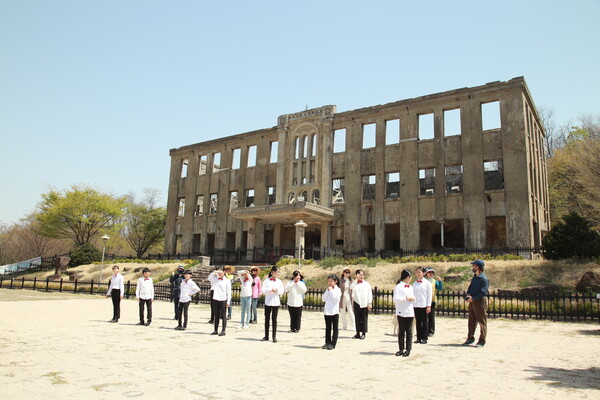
(427, 182)
(235, 161)
(181, 210)
(214, 202)
(369, 136)
(454, 179)
(392, 185)
(490, 116)
(392, 131)
(493, 172)
(337, 187)
(426, 126)
(250, 198)
(272, 193)
(203, 162)
(251, 156)
(368, 187)
(339, 140)
(216, 162)
(452, 122)
(199, 205)
(313, 152)
(274, 152)
(184, 167)
(233, 200)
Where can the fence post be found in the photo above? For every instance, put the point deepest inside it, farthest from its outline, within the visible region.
(92, 286)
(127, 290)
(60, 287)
(47, 281)
(11, 282)
(75, 288)
(34, 281)
(375, 300)
(1, 279)
(23, 282)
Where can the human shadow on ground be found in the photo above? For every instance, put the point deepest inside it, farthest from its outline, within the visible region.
(588, 378)
(592, 332)
(449, 345)
(305, 346)
(251, 339)
(376, 353)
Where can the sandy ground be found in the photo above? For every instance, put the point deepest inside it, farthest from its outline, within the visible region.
(55, 345)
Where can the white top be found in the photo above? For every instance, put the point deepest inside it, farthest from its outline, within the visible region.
(332, 297)
(117, 282)
(272, 299)
(295, 292)
(246, 288)
(362, 294)
(422, 291)
(404, 307)
(144, 289)
(221, 287)
(188, 289)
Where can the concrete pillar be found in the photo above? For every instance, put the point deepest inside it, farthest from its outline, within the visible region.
(300, 226)
(251, 234)
(325, 234)
(277, 236)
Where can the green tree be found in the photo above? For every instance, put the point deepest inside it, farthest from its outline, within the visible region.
(571, 238)
(79, 213)
(143, 224)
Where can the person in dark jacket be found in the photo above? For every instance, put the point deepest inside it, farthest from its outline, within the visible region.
(476, 297)
(175, 281)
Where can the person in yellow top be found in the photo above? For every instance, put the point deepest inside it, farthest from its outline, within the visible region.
(436, 286)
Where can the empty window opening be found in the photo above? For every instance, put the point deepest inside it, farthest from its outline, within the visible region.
(392, 237)
(304, 180)
(452, 122)
(368, 187)
(236, 157)
(291, 198)
(454, 179)
(233, 200)
(214, 202)
(316, 196)
(430, 233)
(337, 191)
(250, 198)
(490, 116)
(181, 210)
(493, 174)
(199, 205)
(216, 162)
(272, 193)
(369, 136)
(184, 168)
(274, 152)
(251, 156)
(297, 148)
(305, 147)
(312, 171)
(303, 196)
(203, 163)
(427, 182)
(426, 126)
(392, 131)
(392, 185)
(313, 152)
(495, 231)
(339, 140)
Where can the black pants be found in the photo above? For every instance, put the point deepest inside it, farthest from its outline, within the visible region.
(115, 295)
(148, 304)
(271, 311)
(183, 312)
(405, 333)
(295, 317)
(220, 313)
(331, 324)
(361, 316)
(212, 306)
(421, 318)
(431, 319)
(176, 304)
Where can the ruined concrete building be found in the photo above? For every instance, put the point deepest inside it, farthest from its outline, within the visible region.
(463, 168)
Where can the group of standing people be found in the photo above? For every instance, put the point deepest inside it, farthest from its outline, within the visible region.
(345, 298)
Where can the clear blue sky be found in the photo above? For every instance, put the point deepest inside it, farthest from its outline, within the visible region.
(97, 92)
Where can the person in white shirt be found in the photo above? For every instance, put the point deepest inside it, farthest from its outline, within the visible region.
(346, 300)
(116, 291)
(144, 292)
(295, 288)
(404, 298)
(362, 295)
(272, 288)
(188, 288)
(245, 297)
(422, 305)
(222, 299)
(331, 297)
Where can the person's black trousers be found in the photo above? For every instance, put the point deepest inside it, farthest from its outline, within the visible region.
(183, 312)
(220, 313)
(421, 319)
(361, 316)
(431, 319)
(331, 324)
(176, 305)
(295, 318)
(271, 311)
(405, 333)
(115, 295)
(212, 307)
(148, 304)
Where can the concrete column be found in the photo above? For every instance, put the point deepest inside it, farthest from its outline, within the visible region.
(325, 234)
(300, 226)
(280, 195)
(324, 156)
(251, 234)
(277, 236)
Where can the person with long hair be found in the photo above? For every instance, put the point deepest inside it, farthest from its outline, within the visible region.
(272, 288)
(331, 310)
(295, 288)
(404, 298)
(346, 300)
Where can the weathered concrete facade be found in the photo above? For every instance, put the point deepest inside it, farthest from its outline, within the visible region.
(371, 178)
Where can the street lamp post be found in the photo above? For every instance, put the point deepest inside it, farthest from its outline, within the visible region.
(104, 238)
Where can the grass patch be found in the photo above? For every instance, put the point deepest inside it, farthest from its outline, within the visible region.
(56, 379)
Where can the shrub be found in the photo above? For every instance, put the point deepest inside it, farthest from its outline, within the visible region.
(572, 237)
(85, 254)
(331, 262)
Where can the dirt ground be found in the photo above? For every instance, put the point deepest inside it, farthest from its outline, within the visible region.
(56, 345)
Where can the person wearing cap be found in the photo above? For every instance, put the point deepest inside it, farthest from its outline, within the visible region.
(477, 300)
(245, 296)
(422, 305)
(222, 299)
(295, 288)
(404, 298)
(256, 292)
(188, 289)
(175, 281)
(346, 300)
(436, 286)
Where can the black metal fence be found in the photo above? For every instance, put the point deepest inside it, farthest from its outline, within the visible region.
(573, 307)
